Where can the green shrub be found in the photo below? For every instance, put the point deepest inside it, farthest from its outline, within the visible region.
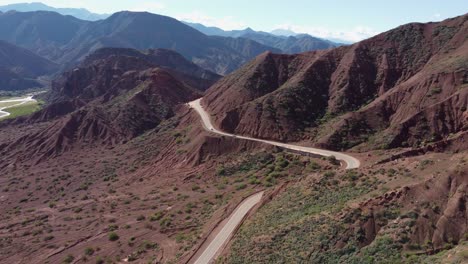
(276, 174)
(113, 227)
(435, 90)
(329, 174)
(69, 259)
(333, 160)
(99, 260)
(282, 163)
(48, 238)
(314, 166)
(165, 222)
(241, 186)
(157, 216)
(89, 251)
(221, 171)
(113, 236)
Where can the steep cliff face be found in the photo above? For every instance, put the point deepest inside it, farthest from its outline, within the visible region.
(407, 83)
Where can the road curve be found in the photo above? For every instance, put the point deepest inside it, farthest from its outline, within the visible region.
(228, 229)
(20, 101)
(351, 162)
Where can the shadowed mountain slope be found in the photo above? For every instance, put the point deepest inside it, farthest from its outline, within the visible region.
(68, 40)
(20, 67)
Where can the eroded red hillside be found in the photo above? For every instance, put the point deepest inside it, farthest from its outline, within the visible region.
(111, 98)
(403, 87)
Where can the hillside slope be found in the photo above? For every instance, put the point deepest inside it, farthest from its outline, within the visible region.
(116, 95)
(20, 67)
(41, 32)
(24, 62)
(403, 87)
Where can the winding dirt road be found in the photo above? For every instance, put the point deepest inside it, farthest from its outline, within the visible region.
(214, 246)
(351, 162)
(20, 101)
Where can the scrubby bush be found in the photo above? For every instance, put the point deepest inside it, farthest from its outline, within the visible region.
(113, 236)
(241, 186)
(333, 160)
(69, 259)
(89, 251)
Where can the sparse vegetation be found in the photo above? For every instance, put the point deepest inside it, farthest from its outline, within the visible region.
(116, 159)
(89, 251)
(435, 90)
(113, 236)
(333, 160)
(69, 259)
(306, 231)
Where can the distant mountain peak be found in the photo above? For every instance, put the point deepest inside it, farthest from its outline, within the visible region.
(80, 13)
(283, 32)
(284, 40)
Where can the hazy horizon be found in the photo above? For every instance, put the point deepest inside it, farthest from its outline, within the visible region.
(326, 19)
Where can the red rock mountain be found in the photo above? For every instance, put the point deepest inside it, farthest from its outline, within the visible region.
(100, 73)
(403, 87)
(108, 99)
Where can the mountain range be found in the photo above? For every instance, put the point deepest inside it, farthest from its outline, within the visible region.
(84, 14)
(118, 167)
(284, 41)
(67, 40)
(289, 43)
(80, 13)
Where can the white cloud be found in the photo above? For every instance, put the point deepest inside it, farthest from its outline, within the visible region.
(436, 15)
(226, 23)
(153, 7)
(357, 33)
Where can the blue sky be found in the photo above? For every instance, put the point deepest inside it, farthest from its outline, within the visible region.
(345, 19)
